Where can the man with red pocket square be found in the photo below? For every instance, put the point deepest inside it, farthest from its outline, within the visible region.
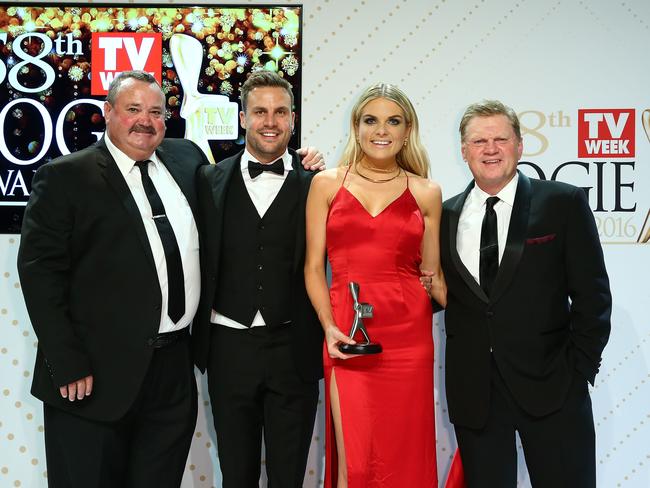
(528, 314)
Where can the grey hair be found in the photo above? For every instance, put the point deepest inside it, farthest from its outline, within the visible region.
(118, 81)
(487, 108)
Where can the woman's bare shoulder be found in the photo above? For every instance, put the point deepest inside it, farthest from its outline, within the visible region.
(329, 180)
(426, 188)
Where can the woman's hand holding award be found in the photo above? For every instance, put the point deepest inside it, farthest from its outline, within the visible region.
(361, 311)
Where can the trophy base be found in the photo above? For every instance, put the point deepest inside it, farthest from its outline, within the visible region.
(369, 348)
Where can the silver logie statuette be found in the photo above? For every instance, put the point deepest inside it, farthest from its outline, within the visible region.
(361, 311)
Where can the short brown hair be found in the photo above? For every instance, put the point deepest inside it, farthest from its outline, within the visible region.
(261, 79)
(487, 108)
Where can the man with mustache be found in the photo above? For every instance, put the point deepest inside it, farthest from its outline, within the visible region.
(257, 333)
(109, 267)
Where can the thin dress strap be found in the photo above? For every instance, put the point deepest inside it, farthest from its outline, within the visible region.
(407, 177)
(346, 174)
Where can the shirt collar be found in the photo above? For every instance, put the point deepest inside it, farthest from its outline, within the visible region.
(247, 156)
(124, 163)
(506, 195)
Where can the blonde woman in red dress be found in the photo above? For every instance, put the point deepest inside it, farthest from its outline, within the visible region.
(377, 218)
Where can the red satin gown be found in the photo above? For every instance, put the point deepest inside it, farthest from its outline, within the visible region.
(386, 399)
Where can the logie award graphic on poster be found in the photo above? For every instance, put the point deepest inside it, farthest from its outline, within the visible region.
(602, 150)
(56, 63)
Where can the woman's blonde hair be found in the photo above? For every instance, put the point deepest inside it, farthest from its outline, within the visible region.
(411, 157)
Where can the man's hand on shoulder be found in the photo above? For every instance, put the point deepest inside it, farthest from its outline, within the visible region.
(312, 159)
(77, 390)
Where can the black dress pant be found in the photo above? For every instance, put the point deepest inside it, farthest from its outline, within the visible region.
(559, 448)
(146, 448)
(255, 389)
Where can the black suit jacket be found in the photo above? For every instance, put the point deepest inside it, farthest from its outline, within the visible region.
(548, 316)
(307, 335)
(89, 279)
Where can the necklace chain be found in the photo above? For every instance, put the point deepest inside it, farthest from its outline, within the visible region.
(374, 180)
(378, 170)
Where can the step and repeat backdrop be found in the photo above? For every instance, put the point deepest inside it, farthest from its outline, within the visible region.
(575, 71)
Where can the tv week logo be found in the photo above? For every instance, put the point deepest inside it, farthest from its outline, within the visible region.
(115, 52)
(606, 132)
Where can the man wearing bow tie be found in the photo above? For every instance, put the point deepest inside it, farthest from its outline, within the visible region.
(257, 334)
(528, 314)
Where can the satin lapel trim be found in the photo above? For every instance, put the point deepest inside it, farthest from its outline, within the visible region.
(182, 177)
(220, 176)
(458, 263)
(516, 237)
(114, 178)
(304, 179)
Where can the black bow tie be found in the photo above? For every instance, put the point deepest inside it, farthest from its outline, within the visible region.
(256, 169)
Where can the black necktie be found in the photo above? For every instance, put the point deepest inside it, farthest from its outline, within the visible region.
(489, 261)
(255, 169)
(175, 279)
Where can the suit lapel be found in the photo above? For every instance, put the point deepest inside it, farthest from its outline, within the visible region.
(116, 181)
(304, 181)
(516, 237)
(220, 177)
(184, 178)
(453, 230)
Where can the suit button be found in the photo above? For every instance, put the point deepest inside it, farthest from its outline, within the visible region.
(260, 247)
(262, 227)
(489, 314)
(260, 267)
(259, 287)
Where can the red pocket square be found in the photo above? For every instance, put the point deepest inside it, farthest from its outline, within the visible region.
(540, 240)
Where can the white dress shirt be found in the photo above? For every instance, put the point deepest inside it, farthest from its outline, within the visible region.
(262, 190)
(182, 221)
(468, 236)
